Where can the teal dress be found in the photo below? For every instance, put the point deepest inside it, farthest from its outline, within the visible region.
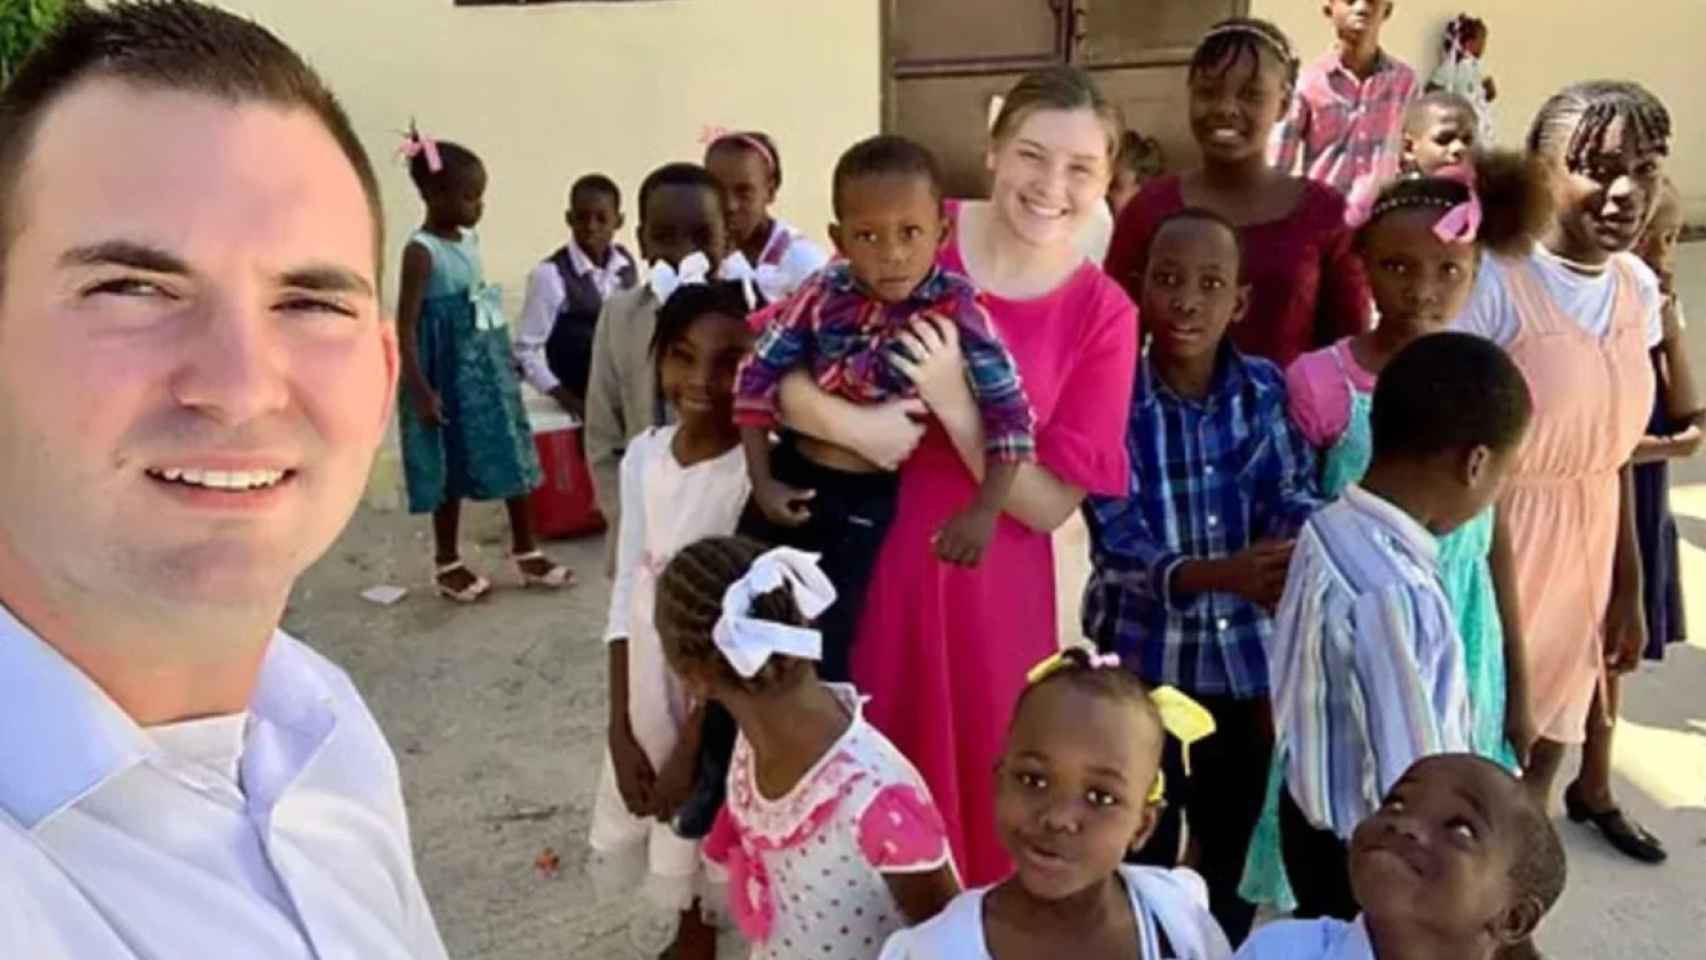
(484, 450)
(1467, 576)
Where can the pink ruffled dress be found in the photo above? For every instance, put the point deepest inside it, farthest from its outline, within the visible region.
(806, 870)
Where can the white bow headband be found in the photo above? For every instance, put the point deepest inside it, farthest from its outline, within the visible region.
(748, 642)
(695, 270)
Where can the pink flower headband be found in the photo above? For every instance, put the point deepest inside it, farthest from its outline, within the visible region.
(415, 144)
(1460, 224)
(752, 143)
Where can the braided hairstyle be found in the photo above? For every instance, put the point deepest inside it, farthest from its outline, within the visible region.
(1108, 683)
(690, 301)
(1516, 202)
(1577, 119)
(1234, 38)
(455, 160)
(690, 602)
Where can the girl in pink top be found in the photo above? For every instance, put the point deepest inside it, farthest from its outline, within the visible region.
(1580, 315)
(942, 650)
(1307, 287)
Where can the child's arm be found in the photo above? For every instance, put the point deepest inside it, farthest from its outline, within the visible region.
(411, 293)
(1625, 615)
(1682, 397)
(1344, 307)
(605, 430)
(1520, 728)
(786, 345)
(1288, 144)
(965, 536)
(1402, 635)
(538, 317)
(636, 779)
(782, 505)
(923, 895)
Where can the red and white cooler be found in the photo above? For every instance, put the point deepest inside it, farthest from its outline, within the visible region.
(563, 505)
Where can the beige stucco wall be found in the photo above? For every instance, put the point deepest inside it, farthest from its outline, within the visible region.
(1535, 47)
(548, 92)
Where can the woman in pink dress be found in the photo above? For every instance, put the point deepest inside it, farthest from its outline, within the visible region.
(942, 651)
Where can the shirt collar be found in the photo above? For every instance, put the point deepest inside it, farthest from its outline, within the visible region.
(840, 278)
(1353, 943)
(583, 265)
(1402, 527)
(1331, 63)
(1228, 378)
(68, 738)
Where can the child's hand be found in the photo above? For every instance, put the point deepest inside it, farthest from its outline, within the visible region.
(962, 540)
(1625, 631)
(1687, 443)
(1521, 731)
(783, 505)
(1257, 572)
(429, 405)
(635, 779)
(1671, 314)
(675, 780)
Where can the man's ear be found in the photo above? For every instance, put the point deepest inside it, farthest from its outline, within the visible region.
(1519, 921)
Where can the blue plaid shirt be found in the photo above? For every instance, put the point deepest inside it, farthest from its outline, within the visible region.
(1209, 479)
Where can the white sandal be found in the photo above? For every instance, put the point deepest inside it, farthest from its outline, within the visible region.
(557, 576)
(469, 594)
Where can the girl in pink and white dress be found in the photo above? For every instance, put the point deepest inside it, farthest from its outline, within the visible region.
(829, 836)
(781, 257)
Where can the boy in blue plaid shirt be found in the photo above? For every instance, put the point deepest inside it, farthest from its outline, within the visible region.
(1189, 565)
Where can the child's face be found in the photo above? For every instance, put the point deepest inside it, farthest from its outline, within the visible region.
(890, 231)
(1444, 138)
(1049, 174)
(1235, 104)
(594, 220)
(1476, 44)
(459, 201)
(1122, 188)
(1191, 292)
(680, 219)
(1072, 796)
(1419, 281)
(1437, 856)
(1353, 20)
(750, 187)
(1605, 203)
(697, 369)
(1658, 244)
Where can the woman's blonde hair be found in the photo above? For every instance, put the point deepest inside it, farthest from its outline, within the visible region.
(1057, 88)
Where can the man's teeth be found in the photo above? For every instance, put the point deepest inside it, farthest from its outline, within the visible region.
(222, 479)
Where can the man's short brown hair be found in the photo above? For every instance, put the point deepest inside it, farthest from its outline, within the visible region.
(169, 45)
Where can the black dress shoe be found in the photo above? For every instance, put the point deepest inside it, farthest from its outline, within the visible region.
(1621, 832)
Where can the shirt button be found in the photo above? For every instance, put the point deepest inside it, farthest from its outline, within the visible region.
(1213, 520)
(1222, 624)
(1208, 470)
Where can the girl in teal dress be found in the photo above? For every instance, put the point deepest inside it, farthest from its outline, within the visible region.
(464, 432)
(1421, 242)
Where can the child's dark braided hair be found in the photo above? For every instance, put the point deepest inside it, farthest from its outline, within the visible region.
(690, 602)
(1107, 682)
(1516, 202)
(1236, 37)
(454, 160)
(690, 301)
(1585, 113)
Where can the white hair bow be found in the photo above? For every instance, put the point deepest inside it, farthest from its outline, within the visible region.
(748, 642)
(665, 280)
(773, 280)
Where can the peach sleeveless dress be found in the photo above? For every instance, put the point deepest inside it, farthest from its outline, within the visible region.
(1592, 396)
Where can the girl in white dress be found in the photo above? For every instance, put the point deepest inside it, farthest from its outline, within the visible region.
(1079, 788)
(679, 483)
(829, 837)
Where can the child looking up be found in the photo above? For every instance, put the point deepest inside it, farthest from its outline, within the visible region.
(829, 836)
(464, 433)
(1078, 789)
(1188, 566)
(1342, 129)
(1456, 864)
(1366, 662)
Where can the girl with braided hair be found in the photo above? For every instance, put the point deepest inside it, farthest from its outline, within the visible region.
(829, 835)
(1580, 315)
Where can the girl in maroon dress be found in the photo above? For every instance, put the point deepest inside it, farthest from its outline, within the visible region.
(1307, 286)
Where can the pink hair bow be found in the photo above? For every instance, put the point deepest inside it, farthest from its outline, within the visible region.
(415, 144)
(1462, 223)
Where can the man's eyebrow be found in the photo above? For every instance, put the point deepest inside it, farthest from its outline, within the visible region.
(327, 278)
(125, 253)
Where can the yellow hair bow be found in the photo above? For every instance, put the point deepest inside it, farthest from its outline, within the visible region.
(1181, 716)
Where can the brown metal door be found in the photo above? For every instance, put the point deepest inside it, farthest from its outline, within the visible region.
(947, 60)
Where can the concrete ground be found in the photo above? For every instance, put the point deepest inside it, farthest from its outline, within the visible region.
(497, 715)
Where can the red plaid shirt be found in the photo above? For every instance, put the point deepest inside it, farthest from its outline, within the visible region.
(1343, 129)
